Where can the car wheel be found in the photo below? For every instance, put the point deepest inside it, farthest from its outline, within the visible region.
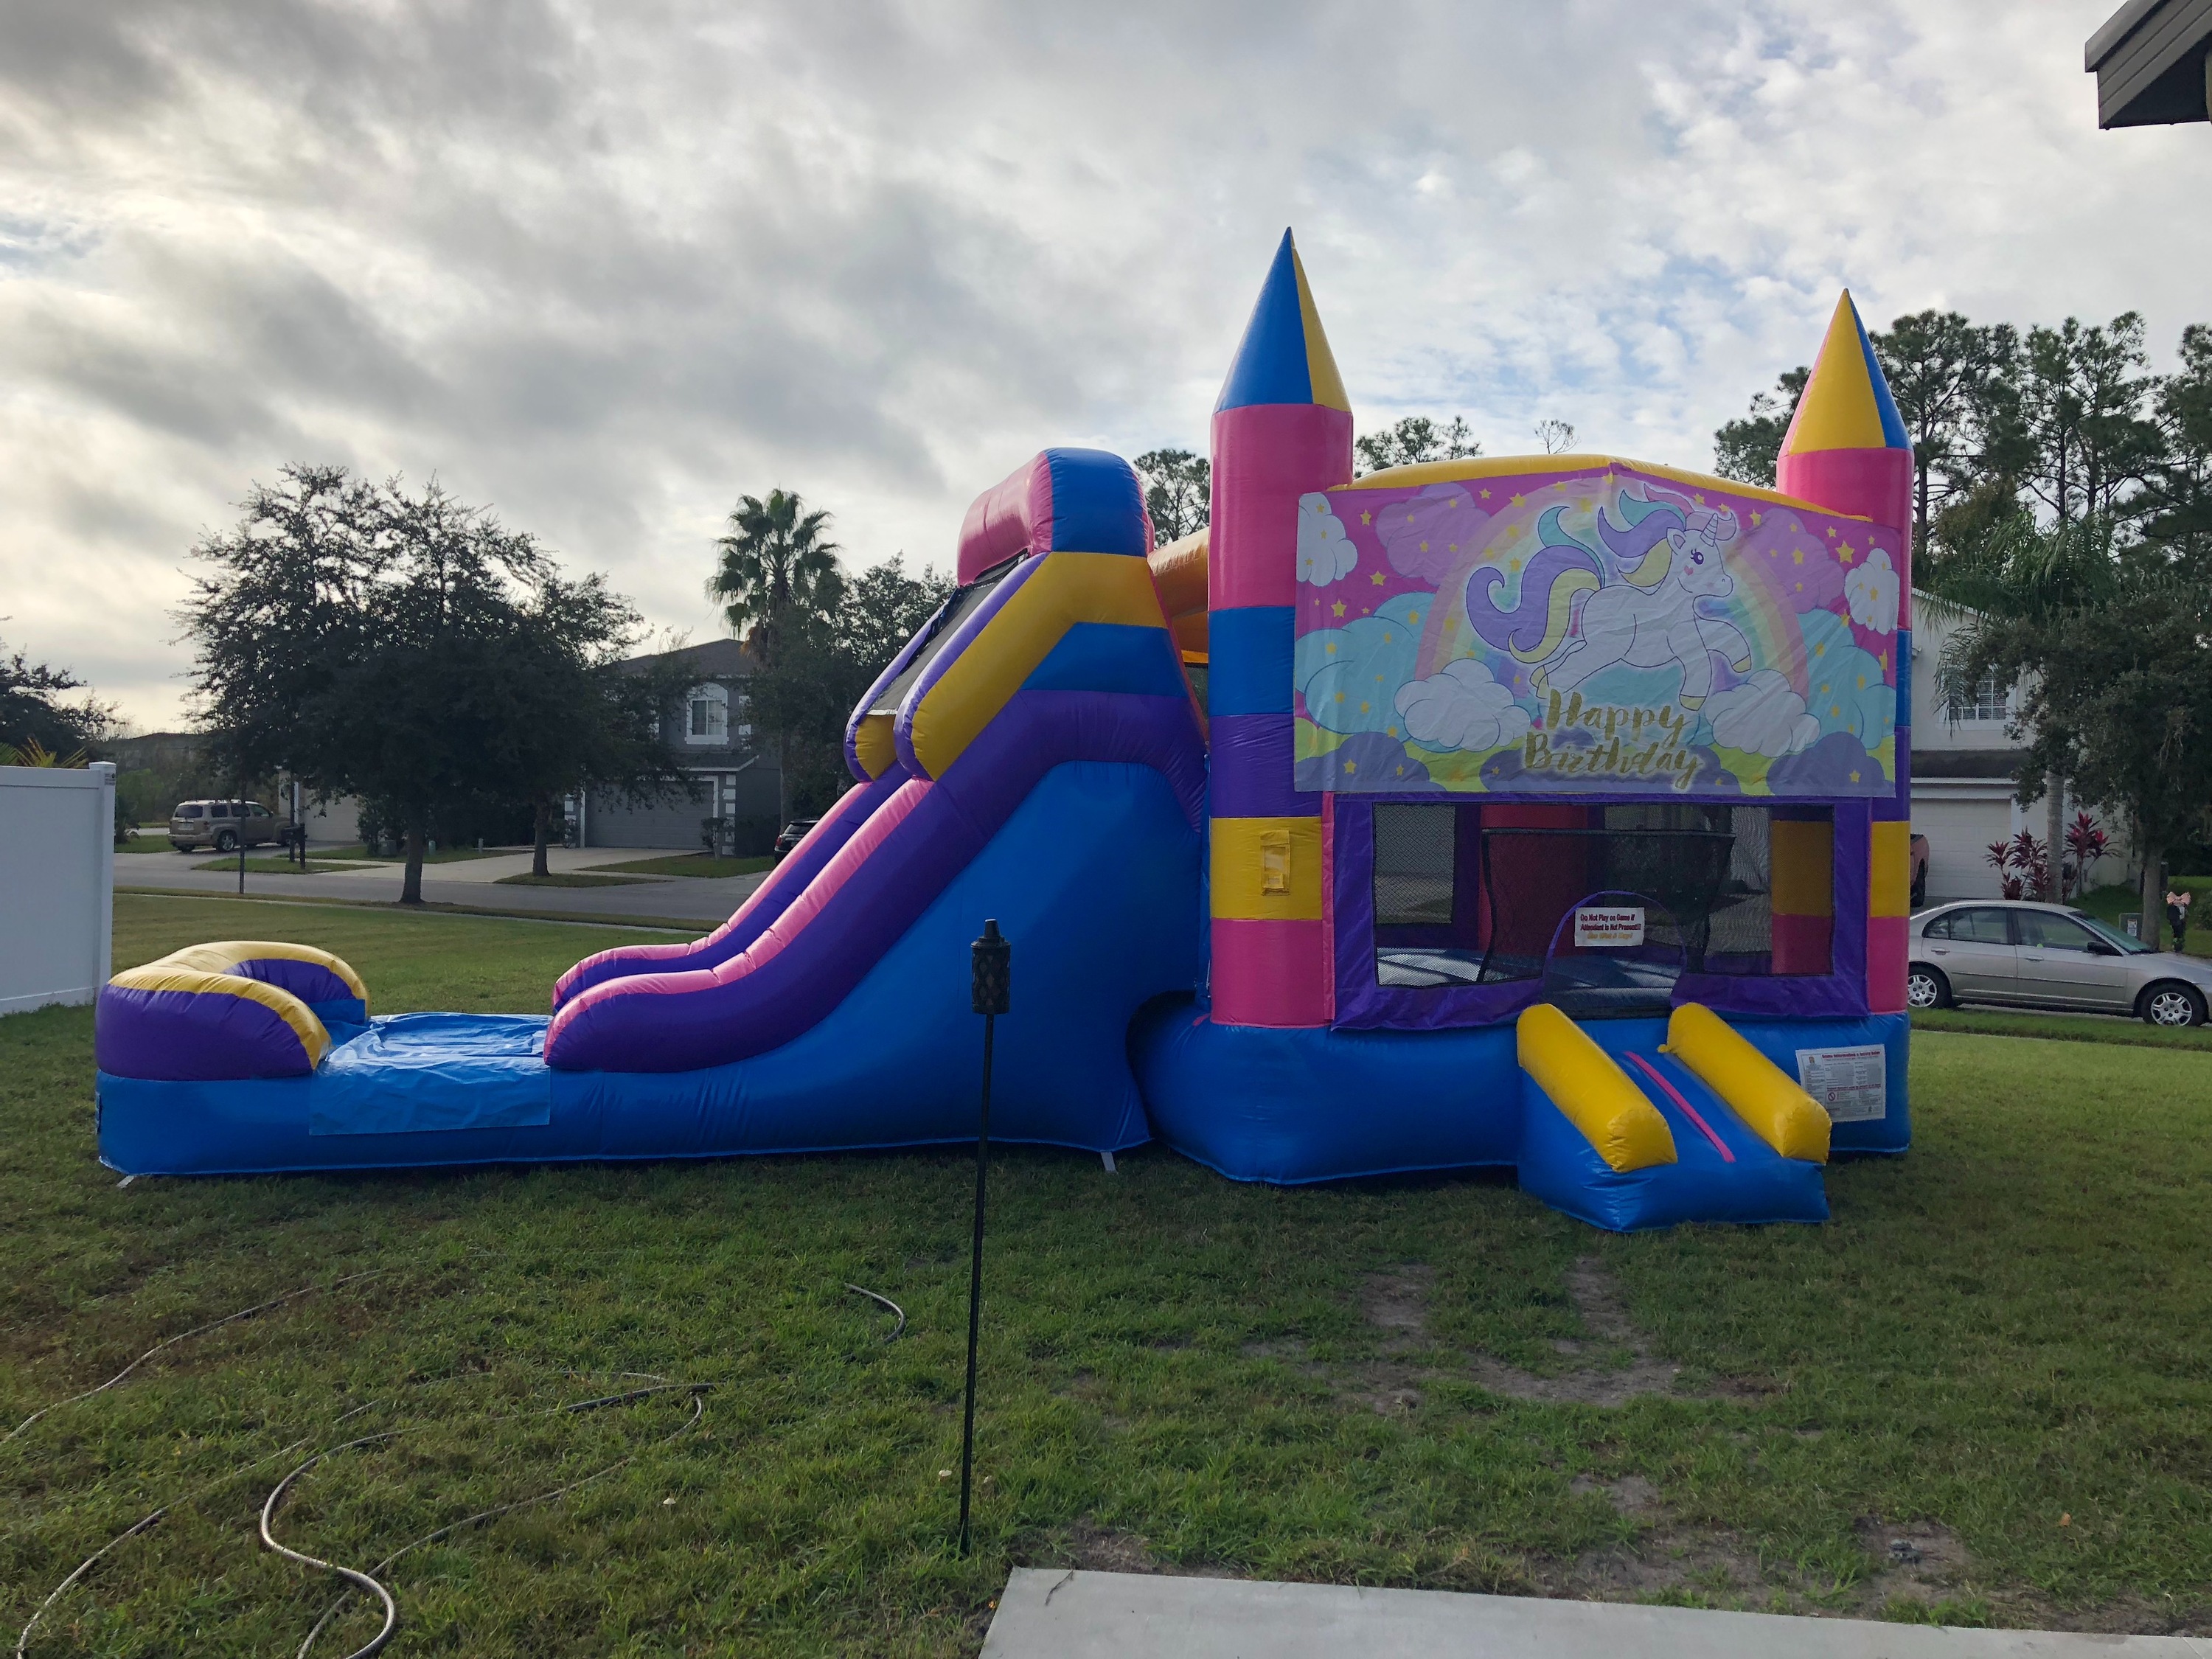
(2174, 1003)
(1926, 987)
(1920, 891)
(226, 841)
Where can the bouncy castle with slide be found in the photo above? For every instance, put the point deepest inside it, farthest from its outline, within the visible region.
(1546, 812)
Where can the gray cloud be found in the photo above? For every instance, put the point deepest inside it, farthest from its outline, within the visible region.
(606, 266)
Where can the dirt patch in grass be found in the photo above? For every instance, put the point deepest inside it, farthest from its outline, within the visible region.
(1618, 1363)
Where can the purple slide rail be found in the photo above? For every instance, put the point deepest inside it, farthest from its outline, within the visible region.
(871, 891)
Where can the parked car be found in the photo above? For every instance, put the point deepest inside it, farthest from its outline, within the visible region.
(225, 825)
(2021, 955)
(1920, 870)
(793, 833)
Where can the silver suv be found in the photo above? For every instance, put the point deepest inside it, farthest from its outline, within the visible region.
(2048, 955)
(225, 825)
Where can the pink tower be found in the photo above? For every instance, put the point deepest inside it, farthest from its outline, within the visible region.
(1847, 450)
(1281, 430)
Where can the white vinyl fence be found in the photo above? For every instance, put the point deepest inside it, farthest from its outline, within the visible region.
(56, 883)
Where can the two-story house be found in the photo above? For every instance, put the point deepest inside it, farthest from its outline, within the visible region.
(1965, 770)
(734, 779)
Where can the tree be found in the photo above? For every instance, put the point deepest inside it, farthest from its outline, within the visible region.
(1558, 437)
(34, 716)
(1748, 450)
(1178, 491)
(394, 647)
(2087, 436)
(2113, 653)
(777, 564)
(804, 696)
(1413, 438)
(2178, 487)
(1952, 383)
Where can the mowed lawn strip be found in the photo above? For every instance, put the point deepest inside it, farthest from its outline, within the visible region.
(1999, 1331)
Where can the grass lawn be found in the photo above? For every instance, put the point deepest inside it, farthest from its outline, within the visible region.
(268, 866)
(146, 840)
(2070, 1028)
(691, 864)
(1996, 1351)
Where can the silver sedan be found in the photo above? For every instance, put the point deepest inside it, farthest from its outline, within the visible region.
(2048, 955)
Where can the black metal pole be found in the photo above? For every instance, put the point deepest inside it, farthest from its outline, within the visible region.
(236, 808)
(991, 994)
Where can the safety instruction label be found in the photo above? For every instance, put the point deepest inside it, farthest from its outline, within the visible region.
(1608, 926)
(1852, 1083)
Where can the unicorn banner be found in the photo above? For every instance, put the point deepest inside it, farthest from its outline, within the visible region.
(1599, 630)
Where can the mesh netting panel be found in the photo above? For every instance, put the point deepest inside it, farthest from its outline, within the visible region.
(1414, 866)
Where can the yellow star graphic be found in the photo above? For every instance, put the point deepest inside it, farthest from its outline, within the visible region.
(1377, 579)
(1364, 707)
(1367, 518)
(1855, 776)
(1797, 555)
(1516, 501)
(1337, 608)
(1453, 546)
(1450, 502)
(1846, 552)
(1339, 697)
(1755, 521)
(1513, 564)
(1485, 495)
(1425, 547)
(1330, 647)
(1414, 618)
(1389, 731)
(1350, 767)
(1832, 530)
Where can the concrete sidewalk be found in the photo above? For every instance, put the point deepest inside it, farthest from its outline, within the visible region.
(1049, 1614)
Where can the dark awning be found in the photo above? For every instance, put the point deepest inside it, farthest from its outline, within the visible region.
(2151, 62)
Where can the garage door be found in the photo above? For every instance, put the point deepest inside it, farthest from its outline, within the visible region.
(1958, 836)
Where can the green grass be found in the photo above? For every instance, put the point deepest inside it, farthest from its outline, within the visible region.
(158, 842)
(443, 855)
(568, 878)
(268, 866)
(2070, 1028)
(2005, 1327)
(691, 864)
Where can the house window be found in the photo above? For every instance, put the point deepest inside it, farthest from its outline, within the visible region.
(1985, 701)
(707, 717)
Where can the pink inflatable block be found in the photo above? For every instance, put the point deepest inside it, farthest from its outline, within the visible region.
(1875, 484)
(1265, 457)
(1271, 973)
(1802, 945)
(1886, 954)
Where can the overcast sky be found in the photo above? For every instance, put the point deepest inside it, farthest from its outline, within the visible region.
(606, 268)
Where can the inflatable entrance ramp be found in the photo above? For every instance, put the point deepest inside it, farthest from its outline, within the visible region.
(1628, 1124)
(1034, 755)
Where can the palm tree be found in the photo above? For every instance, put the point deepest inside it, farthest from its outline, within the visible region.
(776, 560)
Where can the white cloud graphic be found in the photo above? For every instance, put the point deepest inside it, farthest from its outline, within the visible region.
(1762, 716)
(1325, 552)
(1462, 707)
(1872, 590)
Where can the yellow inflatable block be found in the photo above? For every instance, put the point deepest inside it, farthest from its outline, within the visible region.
(1595, 1093)
(1267, 869)
(1757, 1090)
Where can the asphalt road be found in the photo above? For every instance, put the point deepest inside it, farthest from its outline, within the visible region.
(475, 883)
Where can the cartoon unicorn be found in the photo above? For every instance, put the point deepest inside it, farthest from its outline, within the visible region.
(1577, 616)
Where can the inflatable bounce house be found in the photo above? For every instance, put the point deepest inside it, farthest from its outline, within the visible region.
(1546, 812)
